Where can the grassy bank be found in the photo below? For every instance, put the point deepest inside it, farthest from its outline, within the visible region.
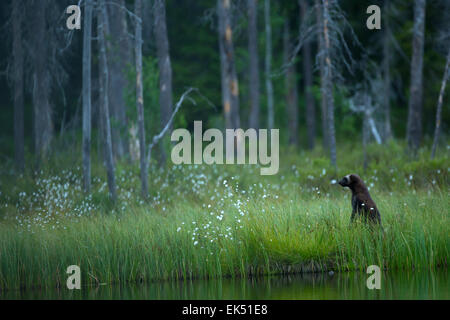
(214, 221)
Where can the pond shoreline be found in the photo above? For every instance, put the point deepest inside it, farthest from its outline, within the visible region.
(313, 285)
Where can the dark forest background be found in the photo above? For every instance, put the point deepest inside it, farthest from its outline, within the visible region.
(192, 29)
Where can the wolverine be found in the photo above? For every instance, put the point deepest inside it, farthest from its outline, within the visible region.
(362, 203)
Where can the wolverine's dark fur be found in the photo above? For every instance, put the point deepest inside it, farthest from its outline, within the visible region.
(362, 203)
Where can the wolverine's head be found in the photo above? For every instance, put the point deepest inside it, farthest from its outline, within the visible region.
(349, 180)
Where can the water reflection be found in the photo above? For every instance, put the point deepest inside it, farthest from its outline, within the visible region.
(399, 285)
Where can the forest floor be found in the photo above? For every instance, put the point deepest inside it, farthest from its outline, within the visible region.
(216, 221)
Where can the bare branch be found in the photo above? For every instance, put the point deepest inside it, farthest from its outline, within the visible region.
(159, 136)
(131, 14)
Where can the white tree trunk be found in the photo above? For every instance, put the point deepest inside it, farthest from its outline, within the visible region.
(140, 98)
(165, 69)
(437, 129)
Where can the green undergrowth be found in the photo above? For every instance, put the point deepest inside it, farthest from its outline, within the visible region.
(222, 221)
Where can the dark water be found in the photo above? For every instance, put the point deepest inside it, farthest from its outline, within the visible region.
(405, 285)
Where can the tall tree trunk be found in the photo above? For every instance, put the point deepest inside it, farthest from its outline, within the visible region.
(119, 56)
(226, 94)
(414, 129)
(437, 130)
(328, 85)
(18, 59)
(268, 65)
(308, 83)
(104, 103)
(291, 88)
(252, 6)
(321, 53)
(43, 124)
(165, 69)
(140, 98)
(87, 53)
(387, 74)
(230, 86)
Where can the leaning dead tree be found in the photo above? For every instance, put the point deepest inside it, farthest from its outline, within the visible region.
(437, 130)
(168, 125)
(442, 43)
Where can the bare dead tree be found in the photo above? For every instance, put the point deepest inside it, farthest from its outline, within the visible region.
(119, 56)
(252, 7)
(328, 84)
(18, 69)
(437, 130)
(140, 98)
(165, 67)
(337, 58)
(104, 103)
(414, 128)
(230, 85)
(87, 88)
(308, 82)
(268, 66)
(291, 88)
(321, 58)
(363, 103)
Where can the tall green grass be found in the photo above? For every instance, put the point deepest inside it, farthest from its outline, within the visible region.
(207, 222)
